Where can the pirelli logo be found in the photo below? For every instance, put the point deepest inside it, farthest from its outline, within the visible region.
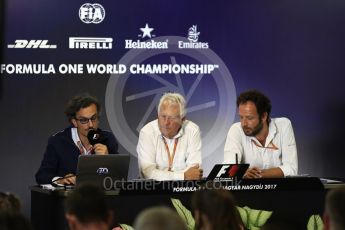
(90, 43)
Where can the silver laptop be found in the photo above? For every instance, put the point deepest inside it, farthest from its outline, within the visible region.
(102, 170)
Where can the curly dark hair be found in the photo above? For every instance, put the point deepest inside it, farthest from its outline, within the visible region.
(78, 102)
(262, 103)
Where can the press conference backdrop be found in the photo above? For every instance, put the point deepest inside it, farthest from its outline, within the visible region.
(293, 51)
(2, 5)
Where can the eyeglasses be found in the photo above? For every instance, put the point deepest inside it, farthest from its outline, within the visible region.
(85, 120)
(169, 118)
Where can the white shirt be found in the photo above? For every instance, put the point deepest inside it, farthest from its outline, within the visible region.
(153, 156)
(279, 150)
(77, 142)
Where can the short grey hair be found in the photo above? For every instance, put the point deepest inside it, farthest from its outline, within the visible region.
(174, 98)
(159, 218)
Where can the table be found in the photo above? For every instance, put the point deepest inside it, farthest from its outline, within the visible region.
(290, 199)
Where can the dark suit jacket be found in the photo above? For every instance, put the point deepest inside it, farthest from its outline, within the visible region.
(61, 155)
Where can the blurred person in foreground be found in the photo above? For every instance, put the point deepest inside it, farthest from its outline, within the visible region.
(86, 208)
(159, 218)
(215, 209)
(11, 217)
(334, 214)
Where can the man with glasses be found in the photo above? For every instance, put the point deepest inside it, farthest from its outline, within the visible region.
(60, 159)
(169, 148)
(268, 145)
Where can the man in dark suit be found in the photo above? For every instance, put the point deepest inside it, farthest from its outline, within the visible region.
(60, 159)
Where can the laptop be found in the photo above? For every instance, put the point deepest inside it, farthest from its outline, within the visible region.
(102, 170)
(227, 172)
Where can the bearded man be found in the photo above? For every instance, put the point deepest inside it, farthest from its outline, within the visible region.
(267, 144)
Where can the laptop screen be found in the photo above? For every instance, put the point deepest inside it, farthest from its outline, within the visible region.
(225, 172)
(95, 168)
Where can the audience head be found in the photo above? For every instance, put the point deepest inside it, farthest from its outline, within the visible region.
(215, 209)
(9, 202)
(11, 217)
(13, 220)
(334, 215)
(86, 206)
(159, 218)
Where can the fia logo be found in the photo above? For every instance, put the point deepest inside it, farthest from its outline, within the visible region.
(193, 34)
(91, 13)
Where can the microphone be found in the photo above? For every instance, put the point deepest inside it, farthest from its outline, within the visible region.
(94, 136)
